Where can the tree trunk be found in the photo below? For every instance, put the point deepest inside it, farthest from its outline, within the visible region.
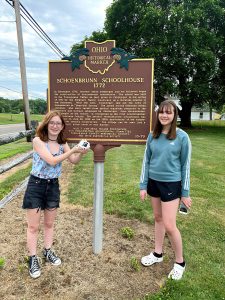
(210, 113)
(185, 115)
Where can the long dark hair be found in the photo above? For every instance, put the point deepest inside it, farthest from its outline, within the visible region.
(42, 130)
(167, 105)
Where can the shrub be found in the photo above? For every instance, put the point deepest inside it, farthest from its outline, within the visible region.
(127, 233)
(135, 265)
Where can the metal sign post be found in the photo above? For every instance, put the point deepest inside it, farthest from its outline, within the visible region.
(98, 206)
(99, 158)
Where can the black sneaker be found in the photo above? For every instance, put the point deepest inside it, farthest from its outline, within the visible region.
(34, 267)
(183, 210)
(51, 257)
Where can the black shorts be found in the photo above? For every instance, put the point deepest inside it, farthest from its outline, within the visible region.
(42, 193)
(167, 191)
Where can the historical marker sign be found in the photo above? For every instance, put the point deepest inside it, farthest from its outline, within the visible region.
(103, 95)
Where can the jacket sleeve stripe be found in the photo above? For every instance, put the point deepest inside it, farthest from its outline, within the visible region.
(187, 175)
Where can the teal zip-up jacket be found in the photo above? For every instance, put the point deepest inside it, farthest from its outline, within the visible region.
(167, 160)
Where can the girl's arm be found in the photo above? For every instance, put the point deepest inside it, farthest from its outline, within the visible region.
(40, 148)
(145, 165)
(75, 157)
(185, 166)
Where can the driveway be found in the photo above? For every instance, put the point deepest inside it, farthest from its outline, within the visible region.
(11, 128)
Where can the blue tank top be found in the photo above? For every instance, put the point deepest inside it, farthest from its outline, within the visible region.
(42, 169)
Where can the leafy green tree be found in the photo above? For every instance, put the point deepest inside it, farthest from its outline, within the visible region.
(186, 39)
(97, 36)
(5, 106)
(37, 106)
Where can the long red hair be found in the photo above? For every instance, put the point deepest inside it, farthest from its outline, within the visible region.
(42, 130)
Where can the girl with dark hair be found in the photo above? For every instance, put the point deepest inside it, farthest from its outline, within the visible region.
(165, 177)
(42, 193)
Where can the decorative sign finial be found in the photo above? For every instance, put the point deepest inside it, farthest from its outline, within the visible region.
(122, 57)
(77, 57)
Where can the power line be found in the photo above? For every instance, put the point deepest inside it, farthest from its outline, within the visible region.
(41, 37)
(32, 23)
(48, 38)
(11, 90)
(3, 87)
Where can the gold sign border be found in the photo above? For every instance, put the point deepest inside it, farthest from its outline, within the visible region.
(110, 140)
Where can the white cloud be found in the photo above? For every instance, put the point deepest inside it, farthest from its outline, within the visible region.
(66, 23)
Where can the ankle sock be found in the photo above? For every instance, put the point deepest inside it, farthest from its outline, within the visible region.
(157, 254)
(181, 264)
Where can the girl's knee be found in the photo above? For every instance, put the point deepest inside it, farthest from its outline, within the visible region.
(33, 228)
(170, 228)
(158, 218)
(48, 225)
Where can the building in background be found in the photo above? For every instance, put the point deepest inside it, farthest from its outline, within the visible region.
(197, 113)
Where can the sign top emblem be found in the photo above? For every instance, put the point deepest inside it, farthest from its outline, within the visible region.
(100, 58)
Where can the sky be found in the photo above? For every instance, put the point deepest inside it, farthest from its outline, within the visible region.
(66, 22)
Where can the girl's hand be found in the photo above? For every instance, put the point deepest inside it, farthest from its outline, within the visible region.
(78, 149)
(187, 201)
(143, 194)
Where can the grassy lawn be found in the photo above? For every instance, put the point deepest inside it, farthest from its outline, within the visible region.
(203, 230)
(17, 147)
(12, 181)
(16, 118)
(7, 151)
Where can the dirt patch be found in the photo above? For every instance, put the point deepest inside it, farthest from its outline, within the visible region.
(82, 274)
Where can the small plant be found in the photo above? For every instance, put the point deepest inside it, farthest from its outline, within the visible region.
(127, 233)
(23, 265)
(135, 265)
(2, 262)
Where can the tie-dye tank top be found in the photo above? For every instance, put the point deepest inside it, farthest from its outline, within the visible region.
(42, 169)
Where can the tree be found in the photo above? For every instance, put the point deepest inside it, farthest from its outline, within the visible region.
(186, 39)
(38, 106)
(97, 36)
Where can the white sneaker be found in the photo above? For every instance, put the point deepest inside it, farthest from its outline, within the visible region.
(177, 272)
(150, 260)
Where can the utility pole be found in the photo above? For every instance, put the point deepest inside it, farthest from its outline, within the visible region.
(22, 67)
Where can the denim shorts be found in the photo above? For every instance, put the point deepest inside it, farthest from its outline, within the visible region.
(41, 193)
(167, 191)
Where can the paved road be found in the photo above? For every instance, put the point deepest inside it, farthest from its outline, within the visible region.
(12, 128)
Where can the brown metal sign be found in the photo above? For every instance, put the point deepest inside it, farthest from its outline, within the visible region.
(104, 97)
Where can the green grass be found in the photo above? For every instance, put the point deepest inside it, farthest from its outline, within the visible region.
(203, 230)
(12, 181)
(17, 147)
(206, 124)
(2, 262)
(16, 118)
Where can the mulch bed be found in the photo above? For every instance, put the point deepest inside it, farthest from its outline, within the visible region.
(82, 275)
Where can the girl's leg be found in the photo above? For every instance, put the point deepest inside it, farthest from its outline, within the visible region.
(33, 221)
(159, 225)
(49, 218)
(169, 212)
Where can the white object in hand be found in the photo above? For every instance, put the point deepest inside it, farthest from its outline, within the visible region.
(84, 144)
